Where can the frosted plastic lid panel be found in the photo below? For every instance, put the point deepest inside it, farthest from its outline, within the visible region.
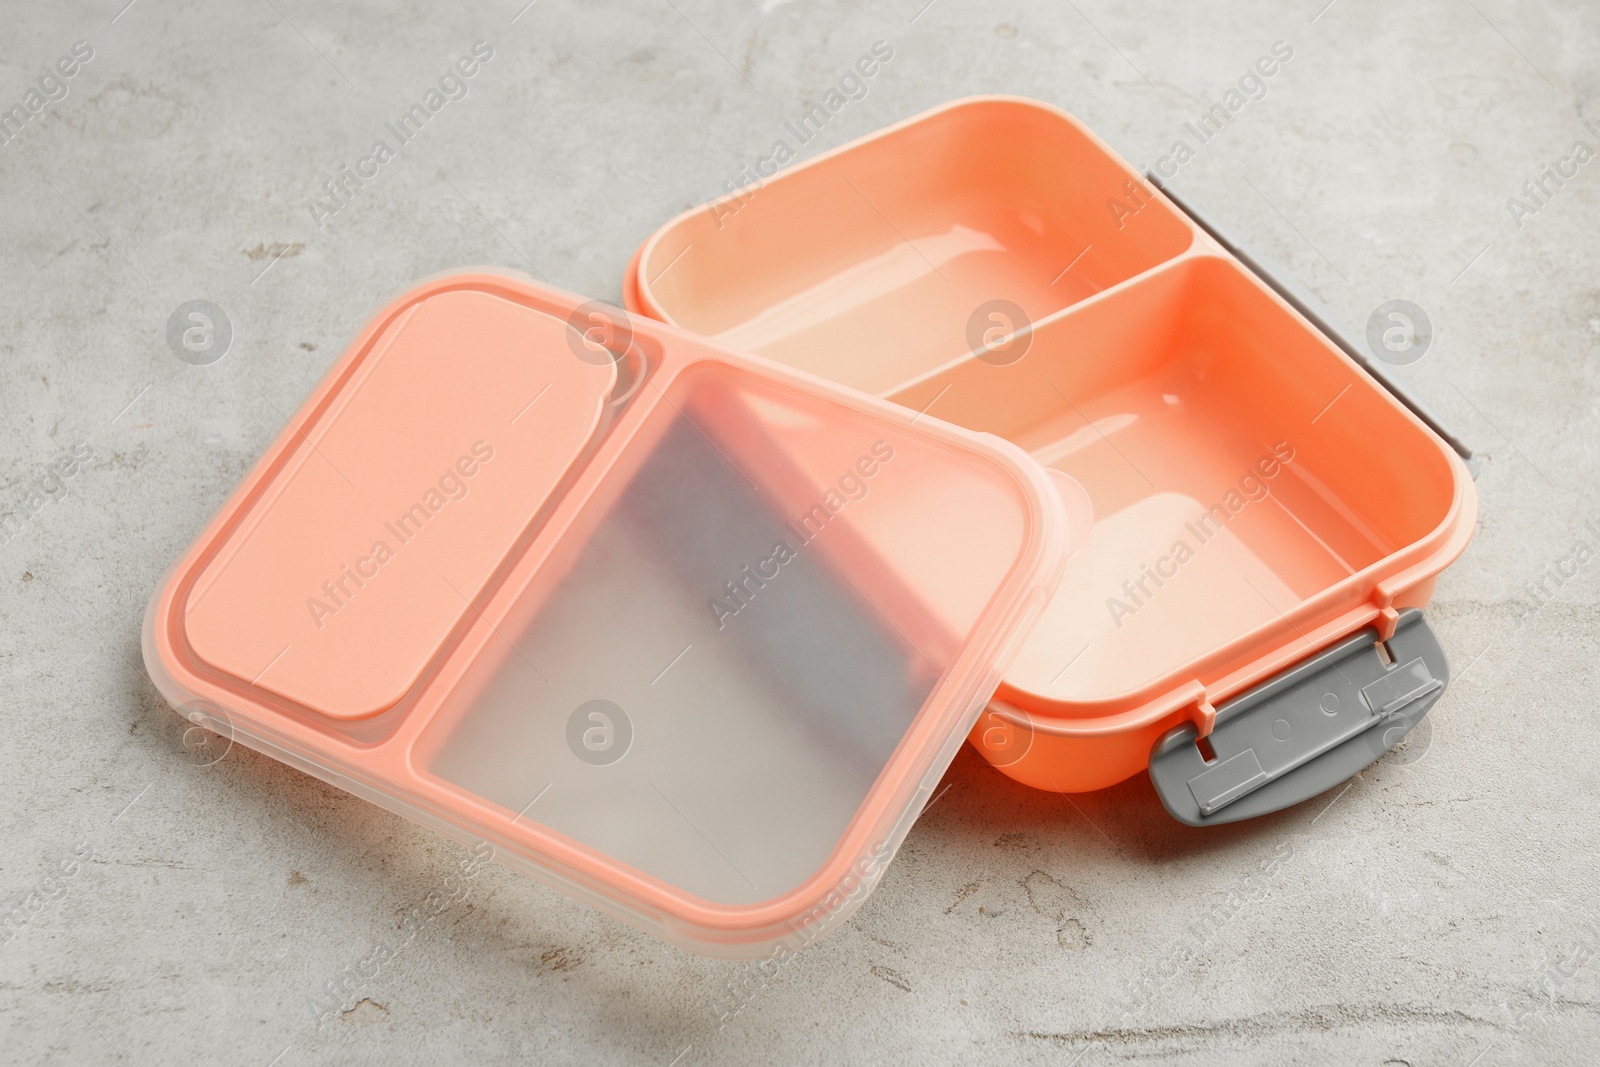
(685, 634)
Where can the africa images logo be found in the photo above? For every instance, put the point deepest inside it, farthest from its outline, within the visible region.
(51, 87)
(1251, 85)
(453, 84)
(49, 487)
(337, 592)
(1254, 485)
(851, 86)
(741, 590)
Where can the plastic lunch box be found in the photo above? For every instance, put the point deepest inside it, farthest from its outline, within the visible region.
(685, 634)
(1268, 518)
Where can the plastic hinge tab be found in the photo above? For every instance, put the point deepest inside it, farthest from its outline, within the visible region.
(1304, 730)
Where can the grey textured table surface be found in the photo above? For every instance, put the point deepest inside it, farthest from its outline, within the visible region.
(1438, 911)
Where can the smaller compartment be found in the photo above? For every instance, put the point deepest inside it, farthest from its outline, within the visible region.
(1239, 467)
(875, 264)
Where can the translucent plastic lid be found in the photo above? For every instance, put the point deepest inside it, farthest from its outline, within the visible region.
(685, 634)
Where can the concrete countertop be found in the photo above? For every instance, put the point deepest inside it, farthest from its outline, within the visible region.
(158, 907)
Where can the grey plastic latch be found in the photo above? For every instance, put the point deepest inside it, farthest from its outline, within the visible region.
(1305, 730)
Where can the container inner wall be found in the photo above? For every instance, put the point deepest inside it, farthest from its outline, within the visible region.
(879, 265)
(1237, 465)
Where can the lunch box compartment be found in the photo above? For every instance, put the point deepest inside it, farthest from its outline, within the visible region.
(1236, 472)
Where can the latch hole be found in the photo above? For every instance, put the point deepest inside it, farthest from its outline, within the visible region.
(1207, 753)
(1384, 655)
